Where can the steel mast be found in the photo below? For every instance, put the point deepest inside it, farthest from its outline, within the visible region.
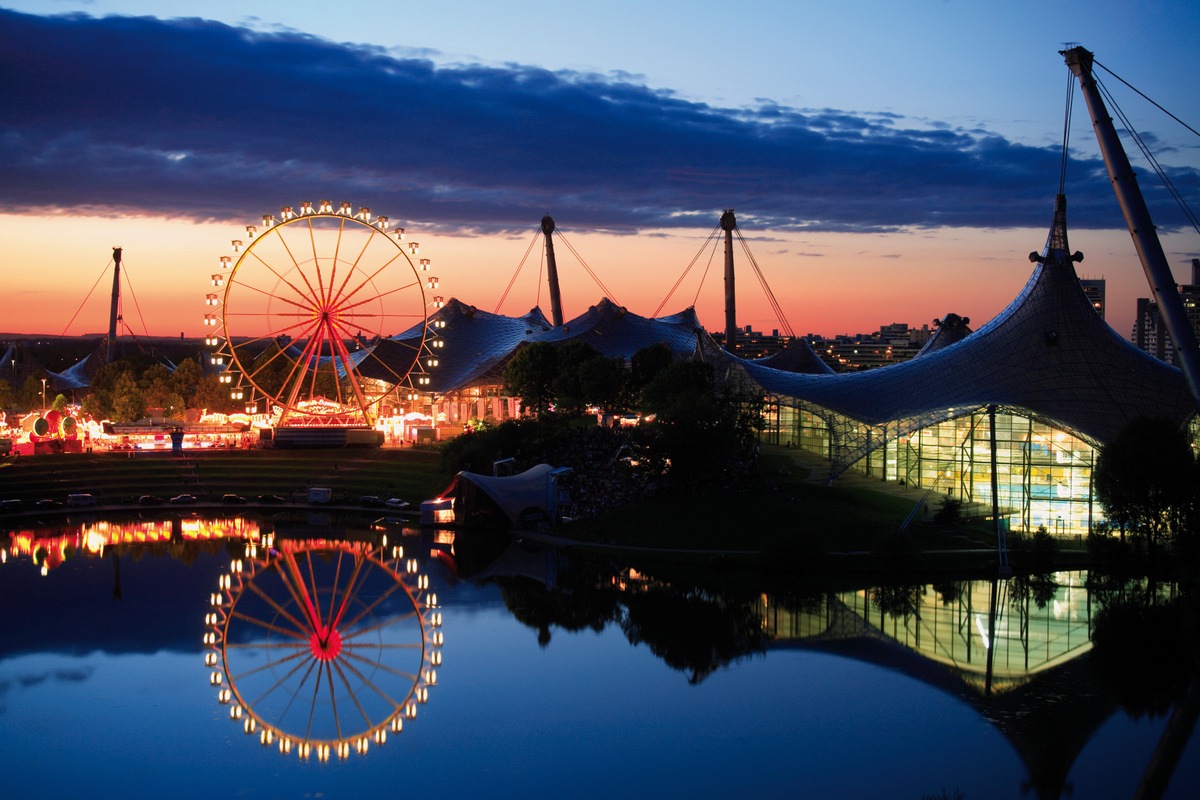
(556, 314)
(1137, 218)
(728, 224)
(116, 296)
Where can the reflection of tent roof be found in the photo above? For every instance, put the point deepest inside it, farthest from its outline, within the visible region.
(477, 495)
(1048, 353)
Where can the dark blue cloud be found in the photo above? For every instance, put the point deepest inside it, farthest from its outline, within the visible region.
(202, 120)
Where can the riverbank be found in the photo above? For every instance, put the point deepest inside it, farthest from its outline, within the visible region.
(790, 522)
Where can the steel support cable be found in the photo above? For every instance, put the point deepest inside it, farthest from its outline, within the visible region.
(1062, 170)
(762, 280)
(1144, 97)
(137, 307)
(1144, 148)
(520, 266)
(103, 272)
(712, 254)
(688, 269)
(588, 269)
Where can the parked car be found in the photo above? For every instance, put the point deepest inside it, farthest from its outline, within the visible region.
(183, 499)
(81, 499)
(396, 502)
(151, 500)
(232, 499)
(48, 503)
(270, 498)
(370, 500)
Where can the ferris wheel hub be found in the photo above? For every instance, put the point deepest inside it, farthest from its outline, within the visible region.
(325, 648)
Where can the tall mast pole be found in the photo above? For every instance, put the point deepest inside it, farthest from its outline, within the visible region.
(728, 223)
(116, 296)
(1137, 218)
(556, 314)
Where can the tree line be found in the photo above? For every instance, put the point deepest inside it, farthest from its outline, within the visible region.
(128, 388)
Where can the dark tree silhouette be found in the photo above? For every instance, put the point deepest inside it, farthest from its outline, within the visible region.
(1144, 479)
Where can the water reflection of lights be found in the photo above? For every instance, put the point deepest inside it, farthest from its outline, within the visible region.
(323, 647)
(49, 548)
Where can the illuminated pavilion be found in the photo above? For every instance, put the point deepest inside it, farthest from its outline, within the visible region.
(1013, 412)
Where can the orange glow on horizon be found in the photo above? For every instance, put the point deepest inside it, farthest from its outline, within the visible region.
(826, 283)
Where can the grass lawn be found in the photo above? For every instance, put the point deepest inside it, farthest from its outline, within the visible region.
(411, 474)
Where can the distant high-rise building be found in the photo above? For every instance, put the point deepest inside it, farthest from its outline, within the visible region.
(1094, 289)
(1150, 334)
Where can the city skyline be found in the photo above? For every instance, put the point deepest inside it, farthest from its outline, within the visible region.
(891, 170)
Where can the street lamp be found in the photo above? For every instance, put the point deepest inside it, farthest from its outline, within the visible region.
(43, 397)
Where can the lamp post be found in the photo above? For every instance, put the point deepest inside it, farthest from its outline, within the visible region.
(43, 397)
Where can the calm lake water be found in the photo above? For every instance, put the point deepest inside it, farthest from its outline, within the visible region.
(545, 677)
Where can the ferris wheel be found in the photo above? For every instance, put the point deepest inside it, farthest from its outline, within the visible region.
(323, 648)
(308, 317)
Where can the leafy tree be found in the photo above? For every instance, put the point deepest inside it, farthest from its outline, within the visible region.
(129, 404)
(158, 391)
(155, 373)
(1144, 479)
(705, 432)
(211, 395)
(530, 375)
(7, 395)
(186, 378)
(602, 381)
(29, 397)
(645, 365)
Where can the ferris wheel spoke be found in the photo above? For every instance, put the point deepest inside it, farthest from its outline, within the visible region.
(399, 673)
(268, 625)
(354, 267)
(303, 305)
(387, 622)
(337, 575)
(297, 632)
(337, 719)
(357, 577)
(382, 645)
(300, 652)
(296, 265)
(353, 695)
(310, 663)
(372, 606)
(312, 704)
(299, 590)
(316, 257)
(295, 377)
(352, 370)
(373, 686)
(282, 278)
(339, 347)
(345, 296)
(283, 681)
(348, 306)
(262, 646)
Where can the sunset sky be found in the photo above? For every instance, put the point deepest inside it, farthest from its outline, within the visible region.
(887, 162)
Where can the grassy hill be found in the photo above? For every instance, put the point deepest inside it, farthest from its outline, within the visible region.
(117, 478)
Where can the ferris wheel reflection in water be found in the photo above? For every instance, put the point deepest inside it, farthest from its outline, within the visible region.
(323, 647)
